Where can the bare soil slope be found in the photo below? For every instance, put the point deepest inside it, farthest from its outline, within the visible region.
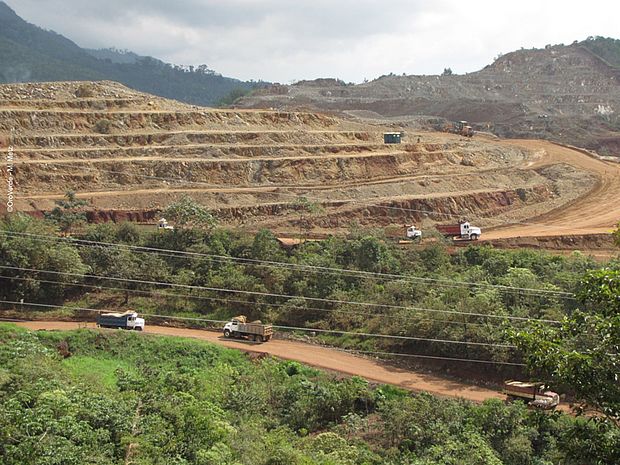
(561, 93)
(594, 213)
(131, 154)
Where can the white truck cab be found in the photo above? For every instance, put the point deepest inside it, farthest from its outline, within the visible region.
(470, 232)
(413, 233)
(135, 322)
(232, 327)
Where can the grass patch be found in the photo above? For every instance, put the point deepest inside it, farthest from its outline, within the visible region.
(96, 372)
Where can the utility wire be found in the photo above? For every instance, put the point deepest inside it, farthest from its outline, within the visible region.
(290, 328)
(302, 267)
(250, 302)
(432, 357)
(286, 296)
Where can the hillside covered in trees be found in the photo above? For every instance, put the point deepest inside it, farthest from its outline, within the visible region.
(30, 54)
(115, 397)
(97, 397)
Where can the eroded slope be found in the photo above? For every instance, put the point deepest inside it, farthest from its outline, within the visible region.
(132, 154)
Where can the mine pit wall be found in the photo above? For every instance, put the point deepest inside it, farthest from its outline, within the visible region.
(77, 176)
(62, 121)
(190, 137)
(339, 215)
(93, 170)
(93, 104)
(208, 153)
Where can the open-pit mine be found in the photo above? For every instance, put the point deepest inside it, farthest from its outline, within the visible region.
(131, 154)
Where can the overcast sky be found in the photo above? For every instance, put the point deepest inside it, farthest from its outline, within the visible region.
(285, 40)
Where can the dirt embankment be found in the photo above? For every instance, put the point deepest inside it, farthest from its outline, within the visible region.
(130, 155)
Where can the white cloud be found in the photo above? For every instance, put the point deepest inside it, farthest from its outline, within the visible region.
(281, 40)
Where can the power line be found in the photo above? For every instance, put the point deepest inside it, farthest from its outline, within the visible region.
(250, 302)
(393, 336)
(432, 357)
(290, 328)
(303, 267)
(286, 296)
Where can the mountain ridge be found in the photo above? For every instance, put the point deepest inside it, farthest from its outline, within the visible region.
(568, 94)
(32, 54)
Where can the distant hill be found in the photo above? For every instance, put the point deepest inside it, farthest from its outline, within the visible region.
(115, 55)
(29, 53)
(605, 48)
(563, 93)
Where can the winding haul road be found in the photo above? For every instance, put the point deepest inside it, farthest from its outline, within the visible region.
(596, 212)
(317, 356)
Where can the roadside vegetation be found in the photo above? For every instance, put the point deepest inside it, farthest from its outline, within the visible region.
(113, 397)
(557, 315)
(473, 295)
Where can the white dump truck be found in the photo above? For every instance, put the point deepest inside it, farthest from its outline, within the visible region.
(414, 233)
(461, 230)
(127, 320)
(163, 224)
(534, 394)
(255, 330)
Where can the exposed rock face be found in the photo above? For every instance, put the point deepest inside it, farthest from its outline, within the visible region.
(251, 166)
(562, 93)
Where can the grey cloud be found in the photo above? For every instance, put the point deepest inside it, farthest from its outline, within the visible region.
(282, 40)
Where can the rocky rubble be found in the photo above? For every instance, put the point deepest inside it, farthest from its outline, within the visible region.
(562, 93)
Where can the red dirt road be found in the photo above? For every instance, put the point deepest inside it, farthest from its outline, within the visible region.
(320, 357)
(596, 212)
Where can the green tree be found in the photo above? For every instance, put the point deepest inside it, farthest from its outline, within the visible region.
(121, 263)
(582, 354)
(23, 244)
(616, 235)
(305, 208)
(68, 213)
(187, 213)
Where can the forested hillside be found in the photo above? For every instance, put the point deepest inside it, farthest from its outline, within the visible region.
(29, 54)
(104, 397)
(604, 47)
(339, 287)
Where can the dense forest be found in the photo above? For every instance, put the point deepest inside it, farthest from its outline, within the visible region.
(360, 292)
(30, 54)
(513, 313)
(362, 283)
(88, 397)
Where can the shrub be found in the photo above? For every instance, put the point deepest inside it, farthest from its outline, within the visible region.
(103, 126)
(85, 91)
